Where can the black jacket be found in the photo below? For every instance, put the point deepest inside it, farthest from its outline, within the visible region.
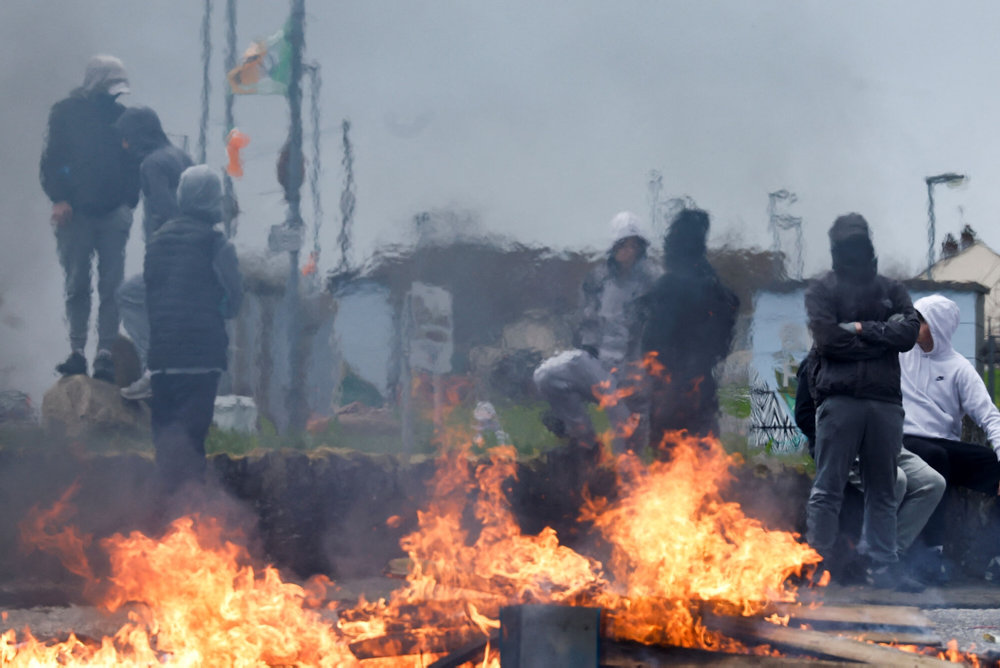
(184, 297)
(688, 318)
(805, 405)
(865, 365)
(192, 280)
(161, 165)
(83, 162)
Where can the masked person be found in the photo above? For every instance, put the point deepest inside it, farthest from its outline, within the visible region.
(193, 285)
(860, 321)
(160, 167)
(688, 318)
(603, 364)
(93, 186)
(940, 386)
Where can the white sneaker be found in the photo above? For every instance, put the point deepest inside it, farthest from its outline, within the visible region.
(140, 389)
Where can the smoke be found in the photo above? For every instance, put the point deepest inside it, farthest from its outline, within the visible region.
(31, 313)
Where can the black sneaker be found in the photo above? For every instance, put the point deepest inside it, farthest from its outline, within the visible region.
(75, 365)
(929, 565)
(104, 367)
(893, 576)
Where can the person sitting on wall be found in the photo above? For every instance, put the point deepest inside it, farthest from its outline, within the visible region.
(940, 386)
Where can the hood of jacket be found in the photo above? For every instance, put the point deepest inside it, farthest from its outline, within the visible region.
(852, 250)
(199, 194)
(141, 128)
(942, 316)
(105, 74)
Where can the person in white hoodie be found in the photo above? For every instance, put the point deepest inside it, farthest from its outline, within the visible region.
(940, 386)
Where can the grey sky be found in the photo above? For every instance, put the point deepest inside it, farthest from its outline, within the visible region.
(543, 119)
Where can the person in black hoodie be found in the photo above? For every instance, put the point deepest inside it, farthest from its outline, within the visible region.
(193, 285)
(93, 186)
(160, 167)
(688, 318)
(860, 321)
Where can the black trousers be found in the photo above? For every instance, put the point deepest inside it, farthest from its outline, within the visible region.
(962, 464)
(182, 407)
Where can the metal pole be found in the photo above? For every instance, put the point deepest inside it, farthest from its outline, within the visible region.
(930, 228)
(295, 401)
(991, 350)
(229, 201)
(206, 61)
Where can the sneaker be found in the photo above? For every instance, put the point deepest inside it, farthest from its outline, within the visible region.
(75, 365)
(893, 576)
(140, 389)
(929, 565)
(104, 367)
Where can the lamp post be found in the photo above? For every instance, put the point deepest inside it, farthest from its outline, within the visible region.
(950, 179)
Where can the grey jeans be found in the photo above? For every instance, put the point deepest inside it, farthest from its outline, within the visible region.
(849, 428)
(919, 489)
(135, 318)
(77, 241)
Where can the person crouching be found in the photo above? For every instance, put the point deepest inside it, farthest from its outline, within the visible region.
(193, 285)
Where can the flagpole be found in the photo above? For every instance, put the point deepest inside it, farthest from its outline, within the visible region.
(295, 401)
(229, 200)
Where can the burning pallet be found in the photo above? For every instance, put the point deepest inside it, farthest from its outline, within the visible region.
(533, 635)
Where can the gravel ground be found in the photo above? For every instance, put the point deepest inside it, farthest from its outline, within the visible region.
(977, 630)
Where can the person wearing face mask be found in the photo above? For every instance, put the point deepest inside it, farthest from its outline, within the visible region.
(93, 186)
(602, 365)
(688, 318)
(860, 321)
(940, 387)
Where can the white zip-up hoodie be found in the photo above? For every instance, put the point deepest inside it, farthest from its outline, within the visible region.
(941, 386)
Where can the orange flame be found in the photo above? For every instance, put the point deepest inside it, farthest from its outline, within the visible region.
(676, 550)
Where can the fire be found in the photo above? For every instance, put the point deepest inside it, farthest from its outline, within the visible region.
(676, 550)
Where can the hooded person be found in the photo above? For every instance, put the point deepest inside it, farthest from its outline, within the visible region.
(193, 285)
(859, 321)
(688, 319)
(940, 387)
(605, 355)
(160, 167)
(93, 185)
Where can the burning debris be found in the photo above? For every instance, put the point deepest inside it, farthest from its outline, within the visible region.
(194, 598)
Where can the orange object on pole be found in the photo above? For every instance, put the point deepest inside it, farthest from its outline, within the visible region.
(310, 267)
(234, 142)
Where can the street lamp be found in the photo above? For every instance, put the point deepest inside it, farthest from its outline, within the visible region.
(952, 180)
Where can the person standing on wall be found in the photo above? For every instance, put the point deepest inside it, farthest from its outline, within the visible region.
(93, 186)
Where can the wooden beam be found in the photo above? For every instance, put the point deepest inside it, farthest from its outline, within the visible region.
(816, 643)
(856, 615)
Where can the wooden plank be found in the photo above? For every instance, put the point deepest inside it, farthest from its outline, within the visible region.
(470, 652)
(856, 615)
(816, 643)
(890, 636)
